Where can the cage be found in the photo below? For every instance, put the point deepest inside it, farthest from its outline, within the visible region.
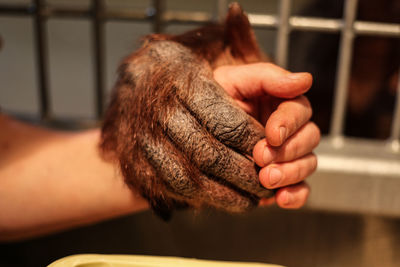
(352, 52)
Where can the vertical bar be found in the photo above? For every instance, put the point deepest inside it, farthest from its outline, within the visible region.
(395, 135)
(41, 58)
(343, 69)
(159, 7)
(221, 9)
(282, 41)
(98, 49)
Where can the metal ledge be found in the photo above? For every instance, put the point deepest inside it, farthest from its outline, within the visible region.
(353, 175)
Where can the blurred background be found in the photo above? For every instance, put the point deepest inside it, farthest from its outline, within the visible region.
(58, 66)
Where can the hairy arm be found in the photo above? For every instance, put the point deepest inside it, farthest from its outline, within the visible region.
(52, 180)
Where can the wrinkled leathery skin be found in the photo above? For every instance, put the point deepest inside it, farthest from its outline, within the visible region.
(178, 137)
(171, 168)
(211, 156)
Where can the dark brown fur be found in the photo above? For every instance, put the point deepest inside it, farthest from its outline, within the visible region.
(178, 137)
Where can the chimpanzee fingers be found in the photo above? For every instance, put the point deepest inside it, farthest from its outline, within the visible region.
(210, 156)
(221, 115)
(181, 183)
(226, 198)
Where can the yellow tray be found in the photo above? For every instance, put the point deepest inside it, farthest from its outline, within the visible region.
(97, 260)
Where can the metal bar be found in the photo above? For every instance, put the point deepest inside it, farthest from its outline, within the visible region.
(221, 9)
(41, 59)
(167, 17)
(17, 9)
(377, 28)
(185, 17)
(343, 70)
(315, 24)
(159, 6)
(395, 135)
(70, 12)
(98, 45)
(263, 21)
(257, 20)
(130, 15)
(282, 42)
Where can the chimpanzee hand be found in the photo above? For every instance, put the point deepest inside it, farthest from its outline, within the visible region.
(177, 134)
(180, 139)
(274, 96)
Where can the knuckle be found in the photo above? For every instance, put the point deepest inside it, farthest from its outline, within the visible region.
(299, 195)
(209, 157)
(183, 185)
(304, 100)
(294, 149)
(267, 65)
(305, 194)
(233, 132)
(317, 134)
(314, 162)
(308, 107)
(298, 173)
(305, 108)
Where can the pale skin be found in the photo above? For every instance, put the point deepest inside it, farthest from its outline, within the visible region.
(51, 180)
(287, 153)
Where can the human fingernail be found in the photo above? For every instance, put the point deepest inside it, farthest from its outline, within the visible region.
(268, 155)
(294, 76)
(275, 176)
(288, 198)
(282, 132)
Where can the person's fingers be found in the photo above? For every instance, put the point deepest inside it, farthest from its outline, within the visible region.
(290, 116)
(210, 156)
(189, 185)
(292, 197)
(253, 80)
(266, 201)
(278, 175)
(296, 146)
(299, 144)
(220, 114)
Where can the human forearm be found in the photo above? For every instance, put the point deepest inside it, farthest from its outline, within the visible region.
(59, 180)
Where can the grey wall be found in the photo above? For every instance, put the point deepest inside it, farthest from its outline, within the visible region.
(71, 59)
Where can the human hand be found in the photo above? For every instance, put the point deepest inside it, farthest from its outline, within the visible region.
(274, 96)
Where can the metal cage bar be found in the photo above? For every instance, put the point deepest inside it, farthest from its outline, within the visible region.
(343, 69)
(98, 52)
(160, 17)
(159, 8)
(395, 134)
(41, 58)
(282, 42)
(221, 9)
(299, 23)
